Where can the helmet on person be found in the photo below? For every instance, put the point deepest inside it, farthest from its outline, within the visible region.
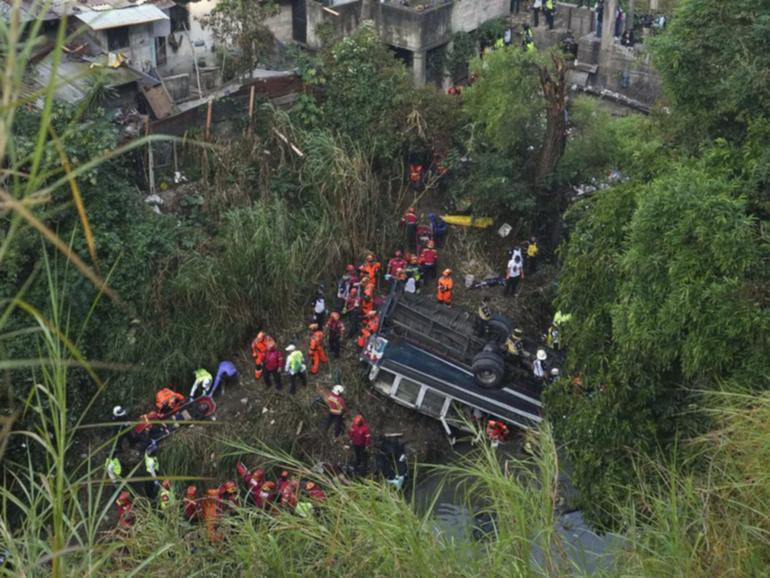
(291, 347)
(338, 390)
(309, 486)
(555, 372)
(259, 474)
(118, 411)
(358, 420)
(350, 268)
(335, 315)
(518, 333)
(447, 272)
(269, 486)
(370, 257)
(191, 491)
(431, 244)
(371, 314)
(398, 253)
(313, 326)
(260, 336)
(165, 484)
(123, 498)
(230, 487)
(541, 354)
(413, 259)
(284, 474)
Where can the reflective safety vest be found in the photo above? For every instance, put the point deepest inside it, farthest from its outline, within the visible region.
(166, 498)
(549, 4)
(117, 469)
(151, 464)
(295, 361)
(336, 404)
(532, 250)
(202, 374)
(485, 312)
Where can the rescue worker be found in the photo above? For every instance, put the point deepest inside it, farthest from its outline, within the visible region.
(554, 375)
(289, 494)
(415, 175)
(367, 299)
(151, 466)
(527, 38)
(124, 506)
(211, 509)
(370, 269)
(191, 505)
(496, 431)
(334, 329)
(203, 380)
(538, 366)
(514, 346)
(345, 284)
(549, 10)
(532, 252)
(122, 429)
(413, 273)
(360, 439)
(319, 306)
(352, 312)
(396, 262)
(444, 287)
(401, 280)
(514, 272)
(336, 406)
(483, 316)
(315, 492)
(295, 367)
(166, 496)
(316, 348)
(266, 496)
(227, 373)
(253, 481)
(282, 480)
(167, 400)
(258, 350)
(371, 326)
(273, 365)
(228, 496)
(113, 468)
(428, 260)
(409, 220)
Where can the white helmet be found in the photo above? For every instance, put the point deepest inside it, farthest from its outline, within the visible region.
(555, 372)
(338, 390)
(118, 411)
(541, 354)
(291, 347)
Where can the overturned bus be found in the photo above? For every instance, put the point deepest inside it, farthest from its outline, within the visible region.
(427, 357)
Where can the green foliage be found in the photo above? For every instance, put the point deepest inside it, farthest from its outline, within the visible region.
(240, 24)
(463, 50)
(713, 61)
(507, 100)
(368, 93)
(667, 284)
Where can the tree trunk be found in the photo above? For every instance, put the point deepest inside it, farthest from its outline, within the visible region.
(555, 94)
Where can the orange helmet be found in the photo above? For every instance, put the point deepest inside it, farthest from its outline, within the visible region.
(447, 272)
(259, 474)
(431, 244)
(313, 326)
(309, 486)
(123, 498)
(284, 474)
(260, 336)
(269, 486)
(191, 491)
(231, 487)
(334, 315)
(166, 484)
(358, 420)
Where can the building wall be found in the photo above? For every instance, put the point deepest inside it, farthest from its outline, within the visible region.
(467, 15)
(141, 48)
(346, 23)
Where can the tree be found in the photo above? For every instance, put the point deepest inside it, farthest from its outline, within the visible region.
(667, 284)
(713, 61)
(241, 25)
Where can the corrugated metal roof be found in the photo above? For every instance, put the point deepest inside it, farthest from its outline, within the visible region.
(132, 16)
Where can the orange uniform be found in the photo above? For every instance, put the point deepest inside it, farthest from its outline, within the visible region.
(370, 268)
(211, 514)
(317, 351)
(367, 303)
(167, 400)
(258, 350)
(371, 327)
(445, 285)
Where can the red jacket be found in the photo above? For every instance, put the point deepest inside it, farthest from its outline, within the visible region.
(360, 436)
(395, 264)
(273, 360)
(428, 257)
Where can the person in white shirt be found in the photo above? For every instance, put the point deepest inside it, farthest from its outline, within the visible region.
(514, 273)
(537, 5)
